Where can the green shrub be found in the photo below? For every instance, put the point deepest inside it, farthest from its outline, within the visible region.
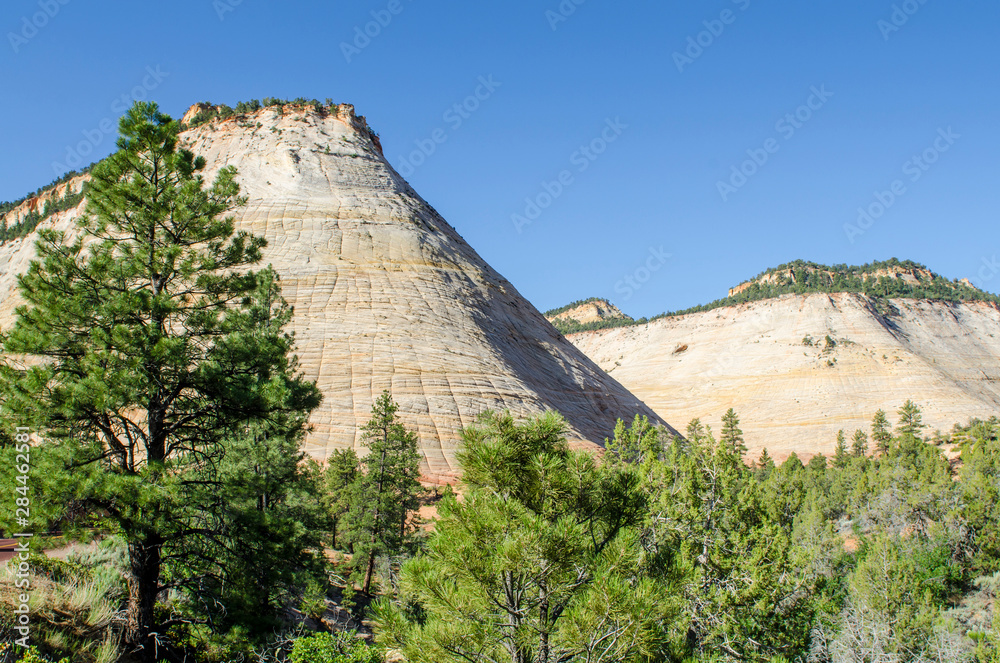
(340, 648)
(31, 656)
(313, 603)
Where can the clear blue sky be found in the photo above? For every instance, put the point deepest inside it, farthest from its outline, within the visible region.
(679, 126)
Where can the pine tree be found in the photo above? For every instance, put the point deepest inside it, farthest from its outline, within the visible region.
(634, 444)
(818, 464)
(910, 423)
(537, 562)
(859, 446)
(342, 471)
(881, 435)
(909, 436)
(765, 465)
(732, 436)
(841, 458)
(695, 432)
(387, 492)
(160, 352)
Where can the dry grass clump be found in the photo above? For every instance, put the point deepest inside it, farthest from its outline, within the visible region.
(75, 605)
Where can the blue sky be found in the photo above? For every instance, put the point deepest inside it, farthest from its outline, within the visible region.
(619, 128)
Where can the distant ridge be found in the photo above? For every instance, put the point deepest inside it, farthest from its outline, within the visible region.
(880, 280)
(800, 367)
(585, 312)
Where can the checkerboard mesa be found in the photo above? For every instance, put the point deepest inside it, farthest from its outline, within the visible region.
(386, 293)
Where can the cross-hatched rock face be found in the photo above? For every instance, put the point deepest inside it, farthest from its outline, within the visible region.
(387, 295)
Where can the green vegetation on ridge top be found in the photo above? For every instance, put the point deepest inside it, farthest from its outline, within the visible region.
(209, 113)
(223, 112)
(802, 277)
(31, 220)
(572, 305)
(7, 206)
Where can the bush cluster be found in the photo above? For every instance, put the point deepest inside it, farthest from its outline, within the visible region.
(223, 112)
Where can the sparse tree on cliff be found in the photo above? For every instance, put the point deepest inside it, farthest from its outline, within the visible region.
(160, 354)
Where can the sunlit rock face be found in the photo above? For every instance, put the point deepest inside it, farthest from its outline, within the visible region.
(387, 295)
(793, 389)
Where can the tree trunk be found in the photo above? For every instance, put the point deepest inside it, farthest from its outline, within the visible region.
(371, 570)
(143, 587)
(517, 651)
(402, 523)
(376, 521)
(145, 549)
(543, 623)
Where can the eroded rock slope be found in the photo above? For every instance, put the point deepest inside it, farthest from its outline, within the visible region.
(793, 389)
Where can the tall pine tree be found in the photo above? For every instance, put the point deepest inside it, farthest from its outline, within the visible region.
(841, 457)
(387, 491)
(158, 350)
(859, 445)
(881, 434)
(732, 436)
